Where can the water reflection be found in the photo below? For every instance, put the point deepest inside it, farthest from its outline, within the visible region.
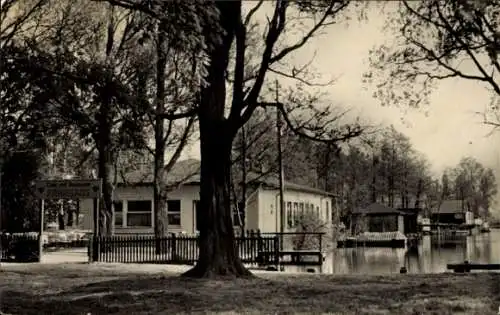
(431, 256)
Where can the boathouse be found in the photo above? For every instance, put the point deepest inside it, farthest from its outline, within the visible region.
(451, 212)
(378, 218)
(411, 216)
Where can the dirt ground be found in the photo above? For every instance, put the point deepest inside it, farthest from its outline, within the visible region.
(142, 289)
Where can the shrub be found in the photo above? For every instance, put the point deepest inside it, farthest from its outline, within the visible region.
(310, 222)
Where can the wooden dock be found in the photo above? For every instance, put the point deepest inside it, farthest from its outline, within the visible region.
(375, 239)
(467, 267)
(291, 257)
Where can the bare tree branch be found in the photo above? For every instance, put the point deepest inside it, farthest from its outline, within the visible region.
(8, 32)
(327, 13)
(348, 134)
(182, 143)
(252, 12)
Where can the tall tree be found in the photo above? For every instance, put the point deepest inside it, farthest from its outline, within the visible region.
(176, 87)
(218, 255)
(88, 86)
(220, 123)
(173, 31)
(18, 202)
(475, 185)
(445, 182)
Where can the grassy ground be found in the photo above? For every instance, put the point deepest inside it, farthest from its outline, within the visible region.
(140, 289)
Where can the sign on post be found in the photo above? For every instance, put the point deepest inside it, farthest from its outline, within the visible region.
(69, 189)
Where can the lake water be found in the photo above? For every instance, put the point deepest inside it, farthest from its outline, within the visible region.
(431, 256)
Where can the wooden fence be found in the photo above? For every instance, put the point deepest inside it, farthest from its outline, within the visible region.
(19, 248)
(24, 247)
(174, 249)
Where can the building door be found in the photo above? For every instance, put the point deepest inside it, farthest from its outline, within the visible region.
(196, 215)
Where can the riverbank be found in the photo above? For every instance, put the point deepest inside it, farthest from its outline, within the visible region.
(145, 289)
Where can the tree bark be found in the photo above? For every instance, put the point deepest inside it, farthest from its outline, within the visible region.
(70, 222)
(60, 216)
(218, 255)
(374, 179)
(419, 193)
(105, 163)
(106, 204)
(159, 190)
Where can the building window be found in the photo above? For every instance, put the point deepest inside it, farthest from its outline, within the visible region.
(197, 214)
(295, 213)
(317, 211)
(118, 206)
(301, 210)
(327, 212)
(289, 217)
(139, 213)
(174, 212)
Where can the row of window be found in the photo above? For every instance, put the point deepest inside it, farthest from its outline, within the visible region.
(296, 210)
(139, 213)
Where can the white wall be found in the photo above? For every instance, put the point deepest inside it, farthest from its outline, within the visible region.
(401, 224)
(186, 194)
(269, 214)
(262, 210)
(252, 212)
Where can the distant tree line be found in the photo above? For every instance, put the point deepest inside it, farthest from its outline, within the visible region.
(381, 167)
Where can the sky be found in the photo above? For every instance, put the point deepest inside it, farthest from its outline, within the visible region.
(451, 129)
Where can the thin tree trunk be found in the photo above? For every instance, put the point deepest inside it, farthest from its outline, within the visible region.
(77, 213)
(374, 178)
(70, 221)
(242, 208)
(106, 206)
(60, 216)
(419, 193)
(105, 165)
(326, 166)
(159, 190)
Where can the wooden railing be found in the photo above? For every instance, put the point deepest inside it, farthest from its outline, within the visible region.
(174, 249)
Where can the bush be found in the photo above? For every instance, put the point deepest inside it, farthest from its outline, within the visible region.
(20, 206)
(310, 222)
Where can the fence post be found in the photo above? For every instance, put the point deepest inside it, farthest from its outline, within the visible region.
(260, 243)
(320, 242)
(40, 246)
(276, 251)
(95, 248)
(174, 248)
(90, 251)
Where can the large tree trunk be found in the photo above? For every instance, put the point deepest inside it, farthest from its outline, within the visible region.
(218, 255)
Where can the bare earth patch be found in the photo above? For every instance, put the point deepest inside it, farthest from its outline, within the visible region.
(142, 289)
